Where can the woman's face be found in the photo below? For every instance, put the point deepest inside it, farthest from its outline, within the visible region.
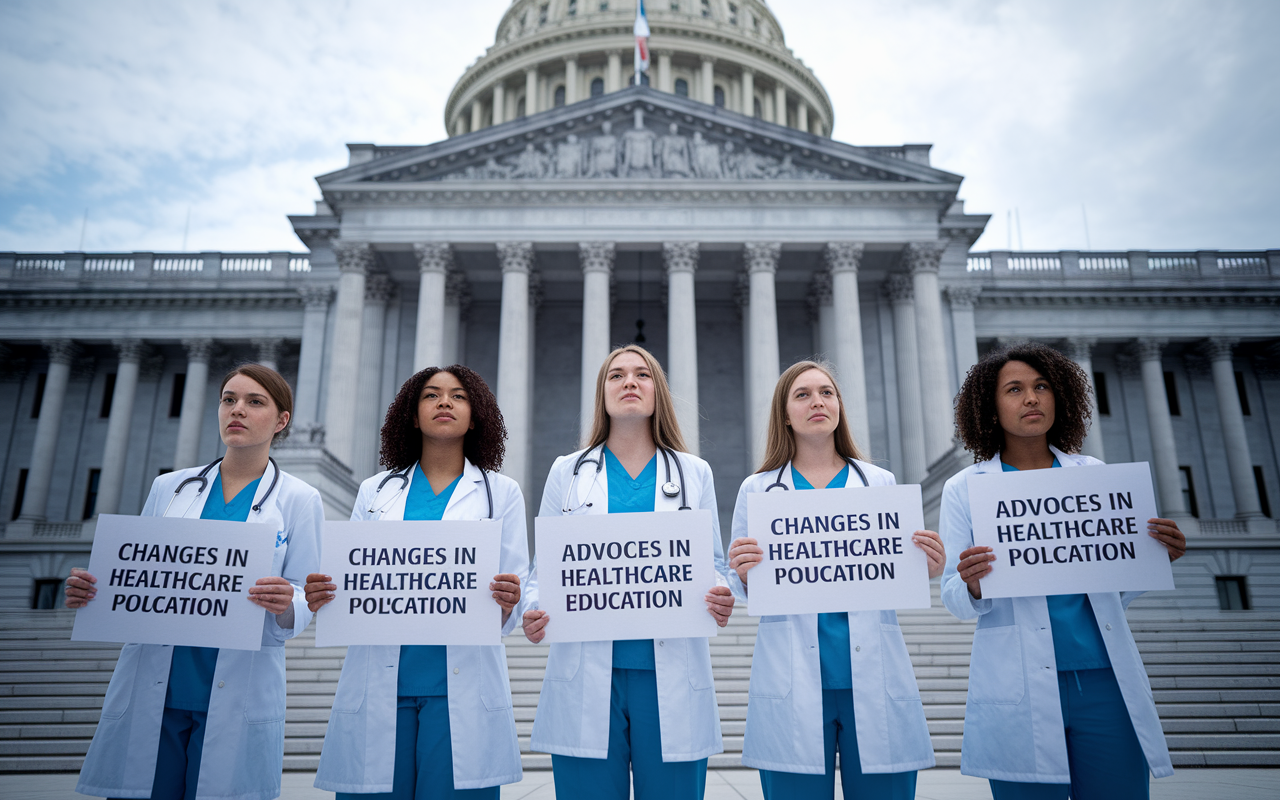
(1024, 400)
(813, 409)
(247, 416)
(444, 408)
(628, 388)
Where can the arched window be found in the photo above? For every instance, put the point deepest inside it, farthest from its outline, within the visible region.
(682, 87)
(559, 96)
(719, 97)
(597, 87)
(520, 109)
(756, 110)
(644, 79)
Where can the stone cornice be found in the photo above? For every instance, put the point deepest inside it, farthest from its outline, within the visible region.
(1116, 296)
(286, 297)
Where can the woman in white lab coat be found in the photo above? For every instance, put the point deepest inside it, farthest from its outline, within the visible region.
(1059, 703)
(642, 709)
(822, 682)
(198, 722)
(432, 721)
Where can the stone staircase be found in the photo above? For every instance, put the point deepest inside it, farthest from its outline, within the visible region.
(1216, 679)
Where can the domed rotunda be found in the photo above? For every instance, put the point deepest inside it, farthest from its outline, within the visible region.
(727, 53)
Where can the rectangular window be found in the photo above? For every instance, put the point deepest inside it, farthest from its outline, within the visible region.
(1100, 392)
(1232, 593)
(1189, 492)
(675, 5)
(108, 393)
(39, 398)
(1171, 392)
(46, 593)
(573, 8)
(1261, 480)
(733, 14)
(175, 397)
(91, 493)
(542, 14)
(1244, 395)
(706, 8)
(20, 495)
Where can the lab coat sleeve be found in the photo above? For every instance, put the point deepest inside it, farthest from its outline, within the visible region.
(739, 531)
(1128, 597)
(306, 523)
(360, 511)
(515, 547)
(152, 507)
(707, 497)
(956, 529)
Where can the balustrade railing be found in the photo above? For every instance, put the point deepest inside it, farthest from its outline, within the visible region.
(1136, 264)
(141, 266)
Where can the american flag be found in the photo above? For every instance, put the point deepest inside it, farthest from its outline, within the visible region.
(642, 40)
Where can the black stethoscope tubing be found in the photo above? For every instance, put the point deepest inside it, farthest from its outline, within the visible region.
(777, 480)
(669, 489)
(203, 480)
(403, 475)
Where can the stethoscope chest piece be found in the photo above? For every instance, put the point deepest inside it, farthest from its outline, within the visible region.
(670, 489)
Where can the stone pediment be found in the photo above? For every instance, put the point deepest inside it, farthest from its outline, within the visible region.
(638, 137)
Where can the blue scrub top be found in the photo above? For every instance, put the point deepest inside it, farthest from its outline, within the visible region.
(629, 495)
(191, 671)
(422, 666)
(1077, 642)
(833, 629)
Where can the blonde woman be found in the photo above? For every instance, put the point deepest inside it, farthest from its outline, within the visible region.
(643, 709)
(822, 682)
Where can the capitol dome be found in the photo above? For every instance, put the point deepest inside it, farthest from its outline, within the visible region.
(549, 53)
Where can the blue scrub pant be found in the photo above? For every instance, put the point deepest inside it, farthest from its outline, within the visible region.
(635, 752)
(178, 760)
(1105, 757)
(424, 756)
(838, 729)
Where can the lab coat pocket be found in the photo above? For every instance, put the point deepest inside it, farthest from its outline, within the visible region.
(899, 675)
(120, 689)
(265, 695)
(698, 661)
(771, 661)
(565, 661)
(495, 687)
(353, 684)
(996, 675)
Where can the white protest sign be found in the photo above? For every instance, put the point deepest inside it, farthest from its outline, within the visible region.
(830, 550)
(412, 582)
(1068, 531)
(626, 576)
(167, 580)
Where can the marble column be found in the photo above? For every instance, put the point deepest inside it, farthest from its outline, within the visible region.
(681, 261)
(749, 92)
(457, 299)
(613, 72)
(597, 266)
(531, 360)
(906, 354)
(742, 304)
(780, 103)
(366, 437)
(115, 453)
(843, 260)
(664, 72)
(762, 266)
(530, 91)
(963, 328)
(1164, 450)
(822, 314)
(44, 449)
(1080, 350)
(516, 259)
(570, 81)
(306, 401)
(434, 262)
(269, 352)
(707, 85)
(499, 103)
(802, 115)
(477, 115)
(354, 262)
(922, 260)
(1236, 441)
(194, 393)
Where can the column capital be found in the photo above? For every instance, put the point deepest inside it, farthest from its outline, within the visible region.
(61, 351)
(596, 256)
(843, 256)
(571, 59)
(762, 256)
(680, 256)
(515, 256)
(923, 256)
(1080, 348)
(899, 289)
(705, 59)
(378, 289)
(269, 349)
(433, 256)
(963, 296)
(457, 289)
(820, 289)
(316, 296)
(130, 350)
(200, 350)
(1219, 348)
(353, 256)
(1148, 348)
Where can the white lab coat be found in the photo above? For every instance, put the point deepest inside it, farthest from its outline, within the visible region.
(573, 709)
(784, 701)
(243, 753)
(1013, 729)
(360, 743)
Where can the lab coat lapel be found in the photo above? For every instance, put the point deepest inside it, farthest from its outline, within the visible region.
(592, 485)
(660, 476)
(469, 484)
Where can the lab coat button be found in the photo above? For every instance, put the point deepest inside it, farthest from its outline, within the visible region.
(661, 643)
(858, 649)
(456, 670)
(1108, 626)
(221, 684)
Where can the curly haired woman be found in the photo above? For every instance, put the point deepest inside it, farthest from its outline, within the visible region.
(1059, 703)
(432, 721)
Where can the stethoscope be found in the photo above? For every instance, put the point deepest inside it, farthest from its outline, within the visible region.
(669, 489)
(203, 480)
(403, 476)
(777, 479)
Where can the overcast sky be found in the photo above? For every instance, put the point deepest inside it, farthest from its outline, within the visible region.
(1160, 118)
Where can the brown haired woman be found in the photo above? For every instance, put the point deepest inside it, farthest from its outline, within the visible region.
(599, 714)
(1085, 726)
(804, 702)
(419, 721)
(165, 733)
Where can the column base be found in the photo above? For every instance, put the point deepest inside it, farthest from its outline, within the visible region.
(1258, 524)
